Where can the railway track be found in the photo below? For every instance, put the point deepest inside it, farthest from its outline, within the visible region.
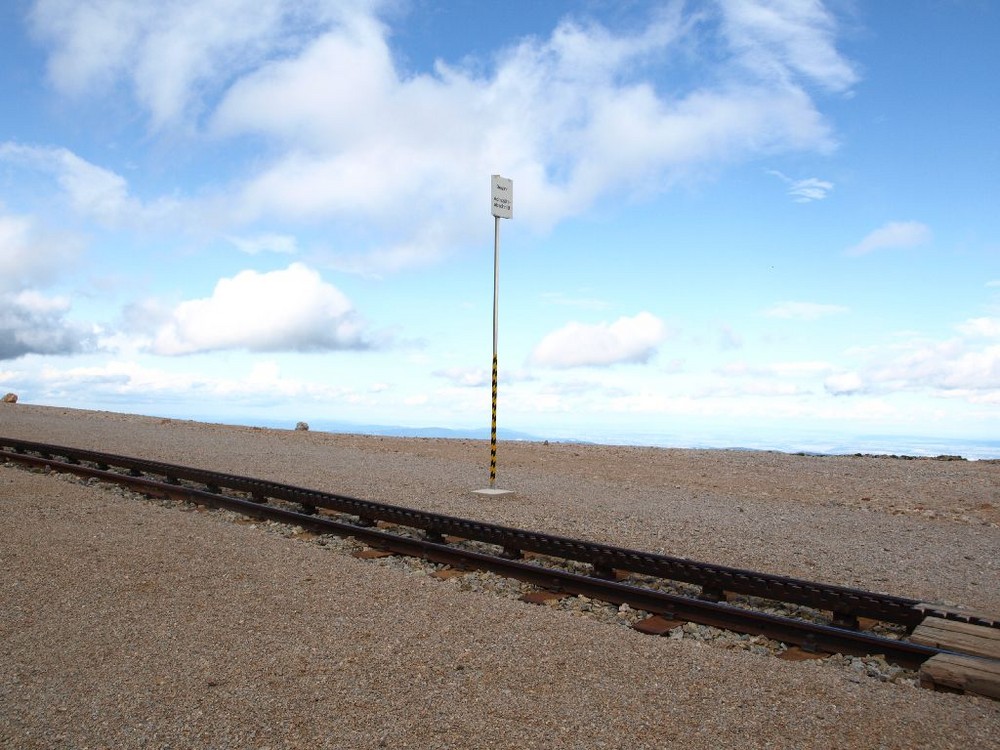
(612, 574)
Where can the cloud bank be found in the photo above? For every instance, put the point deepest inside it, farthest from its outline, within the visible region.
(965, 366)
(350, 134)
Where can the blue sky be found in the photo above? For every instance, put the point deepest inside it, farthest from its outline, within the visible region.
(731, 219)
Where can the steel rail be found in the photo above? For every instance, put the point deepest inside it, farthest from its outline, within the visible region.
(808, 635)
(846, 604)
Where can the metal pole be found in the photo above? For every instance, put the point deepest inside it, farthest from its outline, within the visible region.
(496, 296)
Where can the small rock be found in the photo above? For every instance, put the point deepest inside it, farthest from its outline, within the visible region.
(302, 427)
(10, 398)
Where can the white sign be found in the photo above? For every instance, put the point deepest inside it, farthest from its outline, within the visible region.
(503, 197)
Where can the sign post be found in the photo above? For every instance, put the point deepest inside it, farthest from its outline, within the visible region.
(502, 195)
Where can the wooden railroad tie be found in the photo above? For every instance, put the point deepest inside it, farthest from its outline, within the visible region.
(975, 670)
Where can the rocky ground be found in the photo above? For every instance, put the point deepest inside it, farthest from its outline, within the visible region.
(133, 623)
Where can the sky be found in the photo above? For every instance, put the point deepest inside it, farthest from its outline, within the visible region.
(732, 219)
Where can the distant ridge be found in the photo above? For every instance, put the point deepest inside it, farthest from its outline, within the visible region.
(808, 444)
(423, 432)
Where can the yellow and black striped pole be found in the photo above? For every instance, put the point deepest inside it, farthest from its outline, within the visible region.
(493, 430)
(496, 321)
(502, 195)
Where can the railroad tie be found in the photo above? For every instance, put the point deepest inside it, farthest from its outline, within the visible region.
(975, 670)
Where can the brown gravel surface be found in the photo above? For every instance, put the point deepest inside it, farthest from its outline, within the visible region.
(126, 624)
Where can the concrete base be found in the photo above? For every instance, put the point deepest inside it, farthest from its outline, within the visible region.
(493, 491)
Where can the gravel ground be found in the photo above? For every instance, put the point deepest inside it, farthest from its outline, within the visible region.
(127, 623)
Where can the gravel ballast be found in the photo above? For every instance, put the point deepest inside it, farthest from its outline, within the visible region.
(131, 623)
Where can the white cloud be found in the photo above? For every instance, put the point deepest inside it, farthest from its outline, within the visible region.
(790, 370)
(748, 387)
(980, 328)
(563, 117)
(167, 53)
(803, 310)
(810, 189)
(302, 112)
(943, 368)
(31, 323)
(894, 234)
(477, 377)
(799, 369)
(29, 256)
(581, 300)
(467, 377)
(729, 339)
(804, 191)
(266, 243)
(780, 38)
(627, 340)
(775, 379)
(130, 381)
(350, 135)
(36, 303)
(92, 191)
(289, 310)
(427, 241)
(967, 366)
(844, 383)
